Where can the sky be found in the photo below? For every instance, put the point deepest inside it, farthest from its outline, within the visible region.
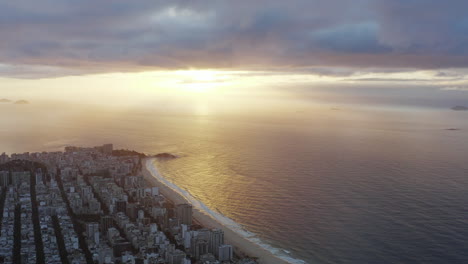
(236, 47)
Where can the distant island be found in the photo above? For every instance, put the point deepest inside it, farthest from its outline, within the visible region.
(18, 102)
(165, 155)
(460, 108)
(126, 152)
(453, 129)
(21, 102)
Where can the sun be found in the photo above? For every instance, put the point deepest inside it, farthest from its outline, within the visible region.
(202, 75)
(200, 81)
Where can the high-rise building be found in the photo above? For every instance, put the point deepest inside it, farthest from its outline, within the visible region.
(121, 206)
(140, 193)
(132, 211)
(184, 213)
(225, 253)
(216, 240)
(154, 191)
(204, 234)
(4, 178)
(91, 230)
(200, 248)
(176, 257)
(39, 178)
(106, 222)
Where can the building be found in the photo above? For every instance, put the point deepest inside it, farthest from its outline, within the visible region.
(106, 222)
(154, 191)
(216, 240)
(200, 248)
(92, 229)
(121, 246)
(208, 259)
(18, 177)
(132, 211)
(225, 253)
(39, 177)
(121, 206)
(176, 257)
(184, 213)
(4, 178)
(86, 192)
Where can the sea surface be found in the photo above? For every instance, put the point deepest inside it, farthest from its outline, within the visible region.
(318, 184)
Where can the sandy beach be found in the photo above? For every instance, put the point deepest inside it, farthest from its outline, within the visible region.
(239, 242)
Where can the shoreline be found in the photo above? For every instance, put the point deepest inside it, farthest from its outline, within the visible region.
(241, 244)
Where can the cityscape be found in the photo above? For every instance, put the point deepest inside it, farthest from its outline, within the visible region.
(234, 132)
(93, 205)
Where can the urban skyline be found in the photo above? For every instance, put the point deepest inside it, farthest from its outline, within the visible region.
(93, 205)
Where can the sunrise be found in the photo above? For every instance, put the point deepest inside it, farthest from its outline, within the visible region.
(233, 132)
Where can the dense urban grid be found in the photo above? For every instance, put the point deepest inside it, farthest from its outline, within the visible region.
(92, 205)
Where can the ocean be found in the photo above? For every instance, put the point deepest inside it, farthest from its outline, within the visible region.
(317, 184)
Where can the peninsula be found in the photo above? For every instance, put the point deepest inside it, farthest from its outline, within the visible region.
(21, 102)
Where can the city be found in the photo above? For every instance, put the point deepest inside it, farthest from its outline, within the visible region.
(234, 132)
(92, 205)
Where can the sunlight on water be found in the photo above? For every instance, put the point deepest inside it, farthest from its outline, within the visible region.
(327, 184)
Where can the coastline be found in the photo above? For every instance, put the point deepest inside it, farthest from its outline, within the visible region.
(241, 244)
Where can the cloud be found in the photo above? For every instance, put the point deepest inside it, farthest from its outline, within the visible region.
(424, 26)
(64, 37)
(354, 38)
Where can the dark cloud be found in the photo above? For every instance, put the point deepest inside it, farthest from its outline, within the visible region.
(354, 38)
(98, 36)
(424, 26)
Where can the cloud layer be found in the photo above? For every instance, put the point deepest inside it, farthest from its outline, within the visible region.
(54, 37)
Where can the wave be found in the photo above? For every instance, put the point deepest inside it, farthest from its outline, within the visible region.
(225, 221)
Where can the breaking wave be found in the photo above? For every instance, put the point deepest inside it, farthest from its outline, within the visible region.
(225, 221)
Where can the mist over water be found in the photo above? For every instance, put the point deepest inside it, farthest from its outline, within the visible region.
(345, 185)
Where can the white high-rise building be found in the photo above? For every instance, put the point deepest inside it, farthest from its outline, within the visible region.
(188, 239)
